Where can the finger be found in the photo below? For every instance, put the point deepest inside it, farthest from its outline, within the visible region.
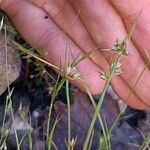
(30, 22)
(131, 11)
(67, 19)
(106, 26)
(127, 95)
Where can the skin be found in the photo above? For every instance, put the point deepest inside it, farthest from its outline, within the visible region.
(87, 25)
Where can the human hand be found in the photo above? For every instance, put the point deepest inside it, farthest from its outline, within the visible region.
(101, 23)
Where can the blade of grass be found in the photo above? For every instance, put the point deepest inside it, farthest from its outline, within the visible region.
(91, 140)
(56, 89)
(121, 49)
(103, 145)
(123, 45)
(52, 132)
(146, 143)
(112, 71)
(99, 117)
(30, 134)
(131, 91)
(84, 57)
(35, 55)
(4, 118)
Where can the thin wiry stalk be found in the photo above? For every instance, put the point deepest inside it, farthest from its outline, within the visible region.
(131, 91)
(54, 94)
(30, 135)
(4, 118)
(100, 119)
(5, 132)
(104, 145)
(146, 143)
(123, 51)
(52, 132)
(54, 145)
(69, 114)
(91, 140)
(114, 67)
(125, 106)
(112, 71)
(16, 136)
(23, 137)
(35, 56)
(144, 140)
(84, 57)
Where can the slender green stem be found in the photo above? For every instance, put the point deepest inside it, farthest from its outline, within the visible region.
(91, 140)
(145, 144)
(52, 132)
(100, 119)
(69, 114)
(54, 94)
(30, 135)
(112, 71)
(16, 136)
(131, 91)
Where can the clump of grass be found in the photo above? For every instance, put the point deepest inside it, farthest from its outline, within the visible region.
(55, 91)
(145, 145)
(70, 72)
(114, 69)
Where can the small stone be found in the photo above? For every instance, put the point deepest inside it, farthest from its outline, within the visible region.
(10, 63)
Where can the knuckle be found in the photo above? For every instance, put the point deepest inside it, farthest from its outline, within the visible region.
(54, 7)
(38, 2)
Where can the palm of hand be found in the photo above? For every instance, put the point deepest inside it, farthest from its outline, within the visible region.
(101, 23)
